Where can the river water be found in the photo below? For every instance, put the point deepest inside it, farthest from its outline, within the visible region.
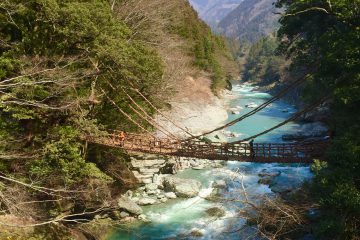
(176, 219)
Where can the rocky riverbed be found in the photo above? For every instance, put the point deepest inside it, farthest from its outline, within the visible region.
(158, 175)
(190, 198)
(203, 203)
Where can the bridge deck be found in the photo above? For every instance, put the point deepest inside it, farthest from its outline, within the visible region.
(260, 152)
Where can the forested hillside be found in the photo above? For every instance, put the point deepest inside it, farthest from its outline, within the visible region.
(322, 39)
(251, 20)
(66, 70)
(262, 65)
(318, 42)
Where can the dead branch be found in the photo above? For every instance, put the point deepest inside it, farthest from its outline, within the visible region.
(306, 10)
(48, 191)
(74, 218)
(127, 115)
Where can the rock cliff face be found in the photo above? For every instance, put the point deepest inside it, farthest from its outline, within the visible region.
(158, 183)
(151, 168)
(146, 166)
(195, 108)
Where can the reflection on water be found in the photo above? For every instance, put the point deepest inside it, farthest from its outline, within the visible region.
(175, 219)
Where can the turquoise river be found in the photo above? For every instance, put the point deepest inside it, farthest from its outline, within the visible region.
(177, 218)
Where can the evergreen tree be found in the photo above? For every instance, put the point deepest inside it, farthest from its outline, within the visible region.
(323, 37)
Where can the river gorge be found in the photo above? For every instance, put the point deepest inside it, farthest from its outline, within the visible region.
(233, 183)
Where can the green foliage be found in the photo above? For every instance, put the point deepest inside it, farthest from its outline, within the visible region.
(207, 47)
(57, 59)
(318, 165)
(323, 38)
(86, 42)
(7, 65)
(62, 159)
(63, 63)
(262, 65)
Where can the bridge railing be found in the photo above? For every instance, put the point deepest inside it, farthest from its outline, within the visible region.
(258, 150)
(262, 152)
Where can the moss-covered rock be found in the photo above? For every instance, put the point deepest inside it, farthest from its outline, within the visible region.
(197, 233)
(265, 180)
(216, 212)
(214, 195)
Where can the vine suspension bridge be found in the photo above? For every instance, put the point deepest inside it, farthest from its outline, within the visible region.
(300, 152)
(259, 152)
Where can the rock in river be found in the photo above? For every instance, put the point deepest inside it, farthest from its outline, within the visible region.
(197, 232)
(182, 187)
(151, 186)
(143, 218)
(146, 201)
(170, 195)
(281, 189)
(199, 167)
(267, 173)
(128, 205)
(216, 212)
(265, 180)
(124, 214)
(251, 105)
(220, 184)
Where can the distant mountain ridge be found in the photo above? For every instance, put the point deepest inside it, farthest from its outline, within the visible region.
(213, 11)
(251, 20)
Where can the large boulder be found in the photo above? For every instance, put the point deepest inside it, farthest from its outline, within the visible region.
(281, 189)
(124, 215)
(193, 163)
(269, 173)
(220, 184)
(198, 167)
(143, 218)
(169, 168)
(186, 188)
(170, 195)
(197, 232)
(147, 164)
(156, 179)
(151, 187)
(128, 205)
(146, 201)
(216, 212)
(216, 165)
(215, 195)
(265, 180)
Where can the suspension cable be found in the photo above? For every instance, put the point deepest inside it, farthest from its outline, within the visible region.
(162, 114)
(259, 108)
(146, 117)
(127, 115)
(295, 116)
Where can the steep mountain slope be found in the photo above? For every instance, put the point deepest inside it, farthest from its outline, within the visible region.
(197, 63)
(251, 20)
(213, 11)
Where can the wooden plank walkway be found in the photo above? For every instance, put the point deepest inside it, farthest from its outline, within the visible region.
(261, 152)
